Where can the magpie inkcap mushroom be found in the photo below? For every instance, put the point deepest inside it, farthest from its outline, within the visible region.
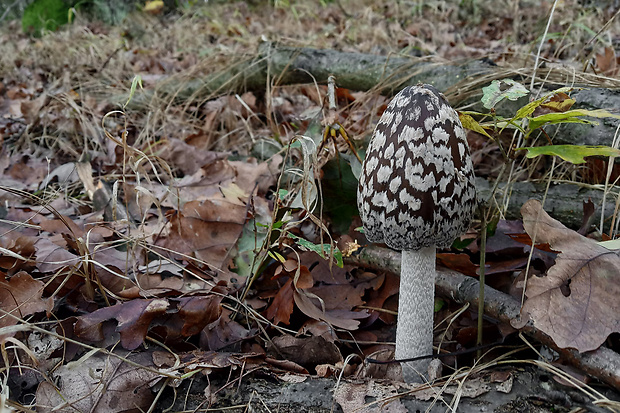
(416, 192)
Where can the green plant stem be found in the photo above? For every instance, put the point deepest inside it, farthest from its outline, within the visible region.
(483, 247)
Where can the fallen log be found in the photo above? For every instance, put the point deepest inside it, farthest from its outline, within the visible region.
(290, 65)
(603, 363)
(462, 82)
(564, 202)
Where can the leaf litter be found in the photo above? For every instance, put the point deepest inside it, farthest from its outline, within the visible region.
(145, 231)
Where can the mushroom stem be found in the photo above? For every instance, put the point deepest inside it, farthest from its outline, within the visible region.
(414, 331)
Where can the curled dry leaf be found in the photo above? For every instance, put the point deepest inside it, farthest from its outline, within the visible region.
(177, 318)
(134, 318)
(223, 332)
(210, 360)
(307, 351)
(208, 174)
(378, 298)
(21, 296)
(191, 315)
(576, 303)
(311, 306)
(323, 293)
(22, 246)
(353, 397)
(282, 305)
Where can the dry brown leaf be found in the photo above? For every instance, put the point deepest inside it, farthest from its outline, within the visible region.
(223, 332)
(134, 318)
(189, 315)
(100, 384)
(31, 109)
(560, 102)
(213, 360)
(354, 397)
(307, 351)
(387, 371)
(286, 365)
(21, 296)
(185, 156)
(23, 246)
(175, 318)
(337, 318)
(458, 262)
(340, 297)
(208, 230)
(206, 180)
(51, 257)
(576, 303)
(112, 263)
(27, 172)
(606, 62)
(377, 299)
(159, 277)
(282, 306)
(61, 226)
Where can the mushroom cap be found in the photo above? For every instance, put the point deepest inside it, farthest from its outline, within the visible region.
(417, 183)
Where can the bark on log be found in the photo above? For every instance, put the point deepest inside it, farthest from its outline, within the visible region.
(603, 363)
(563, 202)
(356, 71)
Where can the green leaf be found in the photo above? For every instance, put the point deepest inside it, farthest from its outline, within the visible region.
(439, 304)
(137, 80)
(559, 120)
(339, 187)
(570, 116)
(44, 15)
(528, 109)
(276, 256)
(324, 250)
(571, 153)
(493, 94)
(282, 193)
(460, 244)
(250, 246)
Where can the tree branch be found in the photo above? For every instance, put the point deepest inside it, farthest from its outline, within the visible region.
(603, 363)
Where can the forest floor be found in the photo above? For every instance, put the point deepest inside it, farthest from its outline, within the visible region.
(172, 251)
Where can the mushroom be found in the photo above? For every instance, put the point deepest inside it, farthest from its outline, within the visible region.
(416, 192)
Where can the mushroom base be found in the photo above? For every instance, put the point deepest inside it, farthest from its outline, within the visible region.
(416, 303)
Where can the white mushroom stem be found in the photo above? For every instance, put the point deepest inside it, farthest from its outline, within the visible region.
(414, 330)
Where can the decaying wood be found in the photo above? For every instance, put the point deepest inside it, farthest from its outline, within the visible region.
(604, 364)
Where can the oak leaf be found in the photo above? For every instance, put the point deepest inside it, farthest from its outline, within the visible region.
(576, 303)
